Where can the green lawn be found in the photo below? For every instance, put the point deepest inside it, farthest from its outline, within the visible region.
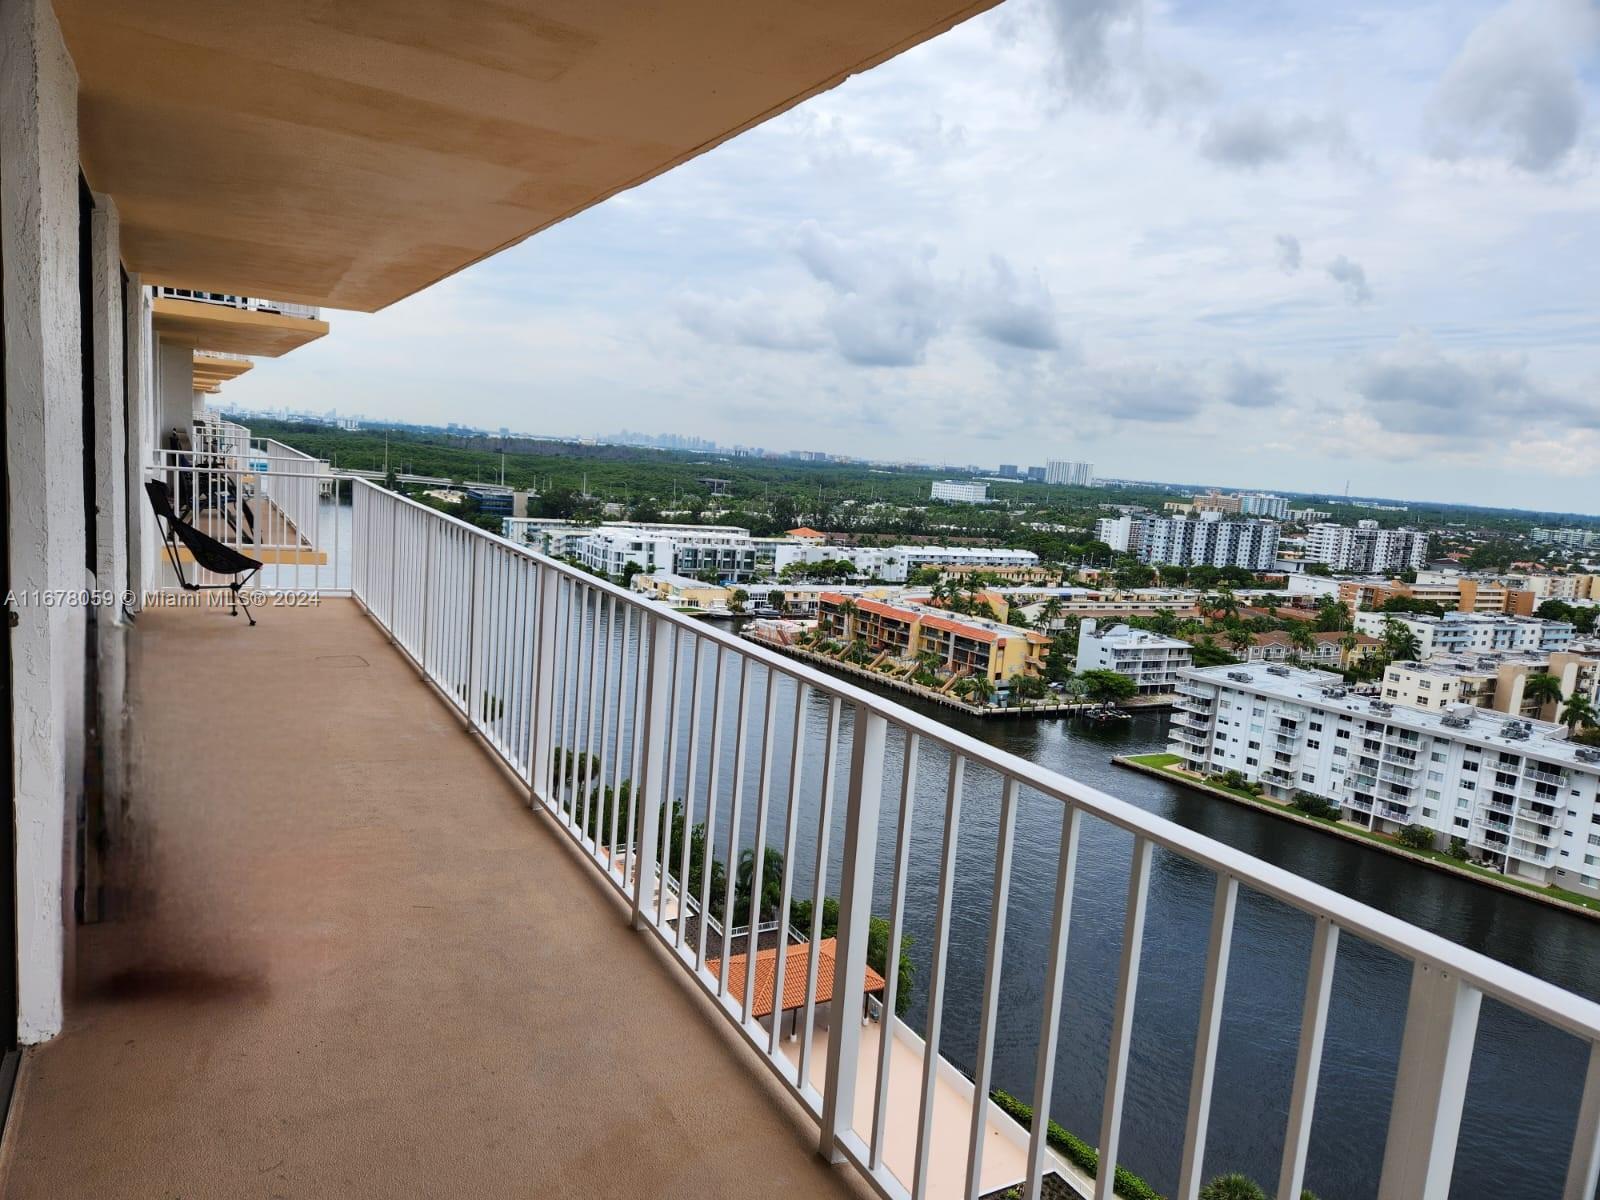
(1166, 763)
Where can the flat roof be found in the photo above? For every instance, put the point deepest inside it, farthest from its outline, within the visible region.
(1486, 728)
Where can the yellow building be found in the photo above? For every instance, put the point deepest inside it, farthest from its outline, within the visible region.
(681, 591)
(965, 645)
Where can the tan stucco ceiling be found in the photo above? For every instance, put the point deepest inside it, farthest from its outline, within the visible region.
(232, 330)
(349, 152)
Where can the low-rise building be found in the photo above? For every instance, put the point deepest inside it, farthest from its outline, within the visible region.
(905, 630)
(1492, 679)
(1327, 649)
(1151, 660)
(1463, 632)
(1517, 792)
(681, 591)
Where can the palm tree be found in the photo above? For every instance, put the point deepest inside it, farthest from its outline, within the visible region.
(1541, 689)
(1238, 638)
(1578, 711)
(1223, 603)
(979, 689)
(1300, 638)
(1050, 611)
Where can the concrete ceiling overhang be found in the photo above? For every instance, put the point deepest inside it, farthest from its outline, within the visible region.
(347, 153)
(231, 330)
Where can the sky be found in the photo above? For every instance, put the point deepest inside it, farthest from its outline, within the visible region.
(1261, 244)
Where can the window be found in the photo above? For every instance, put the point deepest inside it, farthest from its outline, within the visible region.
(1342, 733)
(1431, 793)
(1469, 765)
(1436, 756)
(1463, 823)
(1307, 777)
(1467, 785)
(1341, 752)
(1313, 744)
(1250, 762)
(1429, 812)
(1315, 726)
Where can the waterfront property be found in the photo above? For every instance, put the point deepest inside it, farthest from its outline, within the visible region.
(912, 632)
(1496, 679)
(1520, 796)
(389, 893)
(1149, 659)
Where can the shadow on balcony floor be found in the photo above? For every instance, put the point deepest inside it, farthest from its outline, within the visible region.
(345, 960)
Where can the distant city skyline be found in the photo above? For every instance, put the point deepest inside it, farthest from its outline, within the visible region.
(1141, 235)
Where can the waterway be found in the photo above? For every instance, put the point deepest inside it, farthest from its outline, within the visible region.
(1525, 1078)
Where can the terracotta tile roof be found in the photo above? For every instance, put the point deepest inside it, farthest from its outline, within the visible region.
(805, 531)
(796, 963)
(976, 633)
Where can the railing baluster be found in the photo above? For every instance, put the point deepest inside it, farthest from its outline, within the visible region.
(735, 813)
(897, 925)
(1055, 979)
(571, 664)
(474, 638)
(669, 776)
(791, 824)
(652, 786)
(819, 877)
(1122, 1024)
(936, 973)
(713, 774)
(641, 687)
(618, 753)
(1431, 1086)
(605, 727)
(1583, 1169)
(688, 796)
(758, 851)
(1308, 1061)
(991, 986)
(1218, 949)
(589, 760)
(855, 913)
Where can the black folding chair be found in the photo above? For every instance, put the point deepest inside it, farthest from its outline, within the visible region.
(208, 553)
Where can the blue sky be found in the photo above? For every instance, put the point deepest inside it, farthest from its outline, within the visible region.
(1263, 244)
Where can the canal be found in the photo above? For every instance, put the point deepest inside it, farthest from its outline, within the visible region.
(1525, 1078)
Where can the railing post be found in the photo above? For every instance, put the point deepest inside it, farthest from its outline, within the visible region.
(544, 681)
(1435, 1056)
(427, 590)
(653, 786)
(862, 803)
(475, 625)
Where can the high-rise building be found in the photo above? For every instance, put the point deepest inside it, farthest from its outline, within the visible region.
(1263, 504)
(1183, 541)
(1008, 470)
(1036, 475)
(960, 491)
(1074, 474)
(1365, 547)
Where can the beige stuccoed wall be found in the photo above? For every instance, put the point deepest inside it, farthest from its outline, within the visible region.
(39, 219)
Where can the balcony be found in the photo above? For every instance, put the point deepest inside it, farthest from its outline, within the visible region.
(368, 960)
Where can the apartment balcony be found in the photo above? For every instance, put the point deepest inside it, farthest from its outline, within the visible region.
(380, 925)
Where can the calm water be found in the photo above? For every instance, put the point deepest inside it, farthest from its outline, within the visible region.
(1525, 1080)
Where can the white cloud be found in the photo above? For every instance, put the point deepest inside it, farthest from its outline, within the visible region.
(1352, 276)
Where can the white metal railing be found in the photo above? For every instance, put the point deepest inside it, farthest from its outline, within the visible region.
(265, 500)
(242, 303)
(632, 725)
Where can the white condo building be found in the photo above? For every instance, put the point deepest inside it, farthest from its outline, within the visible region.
(1149, 659)
(1521, 796)
(1465, 633)
(960, 491)
(1206, 539)
(1263, 504)
(1365, 547)
(1075, 474)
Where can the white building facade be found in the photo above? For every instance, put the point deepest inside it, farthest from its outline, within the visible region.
(1467, 633)
(1205, 540)
(1263, 504)
(1073, 474)
(1149, 659)
(958, 491)
(1365, 547)
(1521, 796)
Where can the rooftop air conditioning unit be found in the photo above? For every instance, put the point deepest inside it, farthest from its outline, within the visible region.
(1382, 706)
(1240, 676)
(1587, 754)
(1276, 670)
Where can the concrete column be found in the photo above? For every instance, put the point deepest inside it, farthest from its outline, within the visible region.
(144, 435)
(175, 375)
(110, 628)
(39, 224)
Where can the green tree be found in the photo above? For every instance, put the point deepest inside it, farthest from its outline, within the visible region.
(1577, 711)
(738, 600)
(1416, 837)
(1232, 1186)
(1399, 641)
(629, 570)
(1107, 687)
(1541, 689)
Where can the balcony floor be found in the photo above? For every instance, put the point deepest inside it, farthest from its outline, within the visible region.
(344, 958)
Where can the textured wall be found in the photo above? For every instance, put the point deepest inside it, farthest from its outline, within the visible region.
(175, 376)
(38, 220)
(144, 429)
